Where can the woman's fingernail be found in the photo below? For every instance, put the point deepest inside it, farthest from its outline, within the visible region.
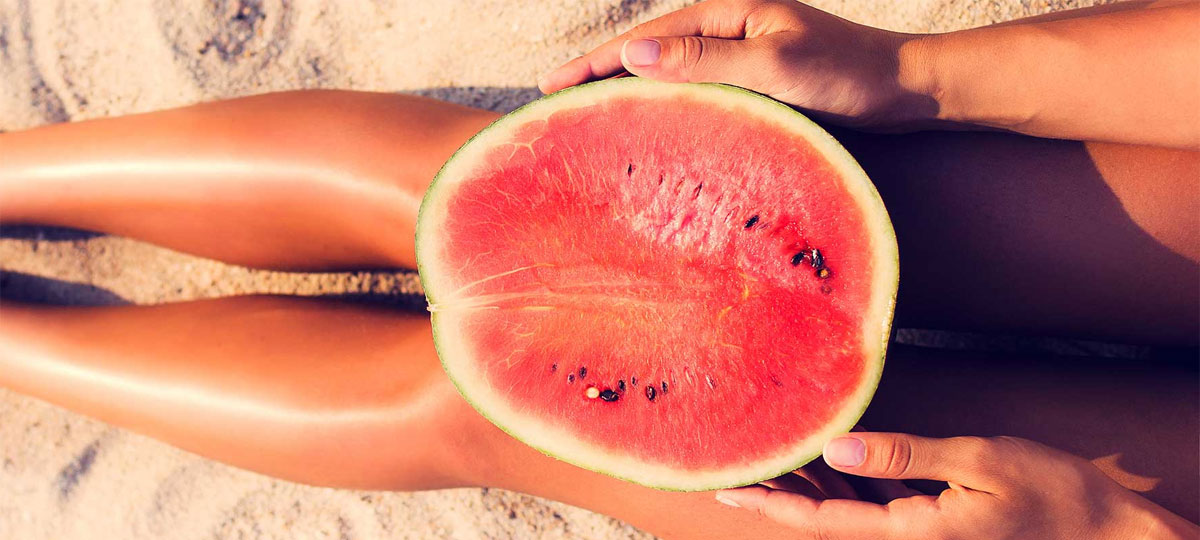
(642, 52)
(727, 501)
(845, 452)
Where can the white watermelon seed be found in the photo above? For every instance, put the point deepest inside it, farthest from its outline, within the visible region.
(817, 259)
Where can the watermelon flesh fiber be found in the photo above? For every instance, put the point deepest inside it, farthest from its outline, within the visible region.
(667, 282)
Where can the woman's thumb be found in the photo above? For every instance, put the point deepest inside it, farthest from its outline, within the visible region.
(962, 460)
(692, 59)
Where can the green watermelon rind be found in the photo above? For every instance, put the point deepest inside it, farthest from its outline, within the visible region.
(867, 390)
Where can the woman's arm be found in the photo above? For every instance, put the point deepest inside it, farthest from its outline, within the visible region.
(1129, 76)
(1119, 73)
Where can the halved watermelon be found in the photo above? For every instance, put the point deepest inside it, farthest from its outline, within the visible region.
(688, 286)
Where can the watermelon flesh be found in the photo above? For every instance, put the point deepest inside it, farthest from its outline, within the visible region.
(686, 286)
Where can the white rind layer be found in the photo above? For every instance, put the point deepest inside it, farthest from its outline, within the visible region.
(457, 358)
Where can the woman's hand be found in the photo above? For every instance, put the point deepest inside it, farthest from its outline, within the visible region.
(794, 53)
(1000, 488)
(1118, 73)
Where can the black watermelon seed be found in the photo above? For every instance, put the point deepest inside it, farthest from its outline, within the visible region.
(570, 377)
(750, 222)
(696, 192)
(621, 386)
(582, 372)
(609, 395)
(629, 170)
(633, 381)
(553, 368)
(797, 258)
(817, 260)
(664, 386)
(650, 393)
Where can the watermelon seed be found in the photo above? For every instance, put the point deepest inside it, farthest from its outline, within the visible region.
(621, 385)
(553, 368)
(817, 260)
(592, 392)
(582, 372)
(797, 258)
(660, 178)
(570, 377)
(823, 273)
(609, 395)
(750, 222)
(664, 386)
(633, 381)
(696, 192)
(650, 393)
(629, 171)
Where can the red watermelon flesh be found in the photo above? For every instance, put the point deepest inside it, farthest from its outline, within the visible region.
(687, 286)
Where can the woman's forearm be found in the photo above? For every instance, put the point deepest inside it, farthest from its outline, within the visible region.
(1128, 76)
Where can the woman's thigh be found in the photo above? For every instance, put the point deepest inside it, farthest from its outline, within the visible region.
(1136, 421)
(1018, 234)
(304, 180)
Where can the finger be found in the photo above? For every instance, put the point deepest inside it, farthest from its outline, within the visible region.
(831, 519)
(879, 490)
(833, 485)
(714, 19)
(886, 491)
(795, 484)
(605, 60)
(699, 59)
(964, 460)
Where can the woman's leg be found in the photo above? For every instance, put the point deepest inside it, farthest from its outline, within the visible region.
(313, 419)
(344, 395)
(312, 391)
(1137, 423)
(311, 180)
(1016, 234)
(996, 232)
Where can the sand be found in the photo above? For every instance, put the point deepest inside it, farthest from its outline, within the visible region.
(65, 476)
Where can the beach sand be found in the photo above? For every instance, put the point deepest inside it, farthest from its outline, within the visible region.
(64, 476)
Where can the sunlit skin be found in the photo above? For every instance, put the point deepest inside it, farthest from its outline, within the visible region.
(347, 395)
(1138, 60)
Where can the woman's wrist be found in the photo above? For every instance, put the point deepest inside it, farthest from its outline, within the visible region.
(918, 105)
(1164, 525)
(1139, 519)
(966, 79)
